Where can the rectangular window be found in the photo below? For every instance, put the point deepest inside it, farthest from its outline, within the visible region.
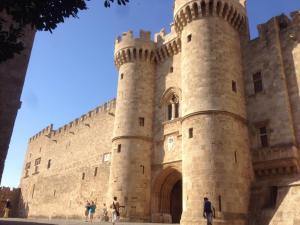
(142, 121)
(176, 110)
(263, 134)
(233, 86)
(27, 166)
(220, 203)
(49, 164)
(171, 69)
(96, 171)
(189, 38)
(191, 133)
(83, 176)
(121, 76)
(119, 148)
(257, 82)
(37, 162)
(169, 111)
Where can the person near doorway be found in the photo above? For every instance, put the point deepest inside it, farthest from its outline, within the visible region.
(92, 211)
(87, 210)
(208, 211)
(115, 211)
(7, 208)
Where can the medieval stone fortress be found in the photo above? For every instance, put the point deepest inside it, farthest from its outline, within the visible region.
(200, 112)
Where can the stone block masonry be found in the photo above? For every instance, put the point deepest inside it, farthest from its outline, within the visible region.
(200, 112)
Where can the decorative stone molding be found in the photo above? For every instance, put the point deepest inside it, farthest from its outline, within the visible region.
(229, 10)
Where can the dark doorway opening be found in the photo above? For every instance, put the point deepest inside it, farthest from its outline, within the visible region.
(176, 202)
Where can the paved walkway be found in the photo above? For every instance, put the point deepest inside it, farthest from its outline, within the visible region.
(59, 222)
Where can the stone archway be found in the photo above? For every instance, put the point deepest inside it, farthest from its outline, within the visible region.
(167, 197)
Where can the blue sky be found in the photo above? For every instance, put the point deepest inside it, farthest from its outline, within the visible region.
(71, 71)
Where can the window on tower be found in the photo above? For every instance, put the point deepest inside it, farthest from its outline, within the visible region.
(257, 82)
(233, 86)
(142, 121)
(173, 108)
(263, 135)
(189, 38)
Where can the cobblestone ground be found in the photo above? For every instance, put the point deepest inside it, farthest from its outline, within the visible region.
(59, 222)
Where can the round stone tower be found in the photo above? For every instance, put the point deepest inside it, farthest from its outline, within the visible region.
(130, 174)
(216, 157)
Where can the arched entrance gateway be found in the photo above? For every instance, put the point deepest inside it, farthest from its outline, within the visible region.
(167, 197)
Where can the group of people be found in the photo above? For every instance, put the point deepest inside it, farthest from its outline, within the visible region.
(90, 209)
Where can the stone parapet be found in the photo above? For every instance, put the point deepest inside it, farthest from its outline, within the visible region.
(49, 132)
(229, 10)
(276, 160)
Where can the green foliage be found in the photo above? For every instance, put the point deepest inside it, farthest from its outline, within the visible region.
(42, 15)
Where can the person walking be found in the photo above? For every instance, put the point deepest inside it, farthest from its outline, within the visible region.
(92, 211)
(208, 211)
(87, 210)
(115, 211)
(104, 216)
(7, 208)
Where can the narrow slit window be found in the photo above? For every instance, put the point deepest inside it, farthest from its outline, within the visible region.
(142, 121)
(83, 176)
(220, 203)
(169, 111)
(233, 85)
(257, 82)
(191, 133)
(176, 110)
(235, 157)
(171, 69)
(49, 164)
(96, 171)
(189, 38)
(119, 148)
(33, 189)
(263, 134)
(121, 76)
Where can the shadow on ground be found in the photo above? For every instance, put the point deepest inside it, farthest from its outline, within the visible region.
(21, 223)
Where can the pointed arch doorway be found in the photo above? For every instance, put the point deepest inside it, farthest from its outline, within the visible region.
(167, 197)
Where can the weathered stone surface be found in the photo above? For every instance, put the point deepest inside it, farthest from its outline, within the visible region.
(188, 120)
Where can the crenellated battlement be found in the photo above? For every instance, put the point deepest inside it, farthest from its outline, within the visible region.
(168, 49)
(128, 36)
(231, 11)
(50, 132)
(282, 23)
(129, 49)
(46, 131)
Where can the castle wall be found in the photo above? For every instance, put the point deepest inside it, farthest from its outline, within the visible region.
(285, 210)
(78, 170)
(12, 76)
(13, 196)
(201, 68)
(275, 53)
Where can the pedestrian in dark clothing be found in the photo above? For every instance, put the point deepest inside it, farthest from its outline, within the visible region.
(208, 211)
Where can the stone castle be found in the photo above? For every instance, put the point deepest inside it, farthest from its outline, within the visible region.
(201, 111)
